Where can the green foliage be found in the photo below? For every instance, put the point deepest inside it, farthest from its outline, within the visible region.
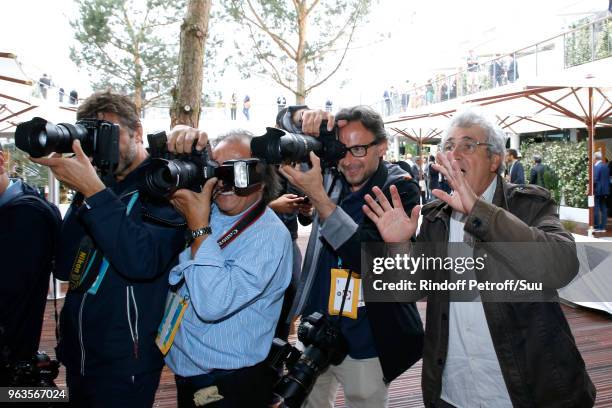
(128, 45)
(568, 169)
(275, 38)
(579, 45)
(21, 167)
(603, 45)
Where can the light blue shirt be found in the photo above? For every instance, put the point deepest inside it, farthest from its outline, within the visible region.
(235, 296)
(13, 190)
(472, 376)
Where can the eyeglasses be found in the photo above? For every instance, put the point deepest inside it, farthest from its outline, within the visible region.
(463, 147)
(360, 150)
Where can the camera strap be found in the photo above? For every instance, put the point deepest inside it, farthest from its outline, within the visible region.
(242, 224)
(104, 266)
(88, 259)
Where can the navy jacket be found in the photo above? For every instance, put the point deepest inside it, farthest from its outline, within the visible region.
(517, 173)
(601, 179)
(113, 331)
(29, 228)
(396, 327)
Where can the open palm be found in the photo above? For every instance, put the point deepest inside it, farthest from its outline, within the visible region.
(392, 222)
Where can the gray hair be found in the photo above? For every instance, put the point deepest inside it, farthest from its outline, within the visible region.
(598, 155)
(495, 137)
(271, 181)
(369, 118)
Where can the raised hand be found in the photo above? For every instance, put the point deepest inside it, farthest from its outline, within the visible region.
(393, 224)
(76, 172)
(181, 139)
(463, 197)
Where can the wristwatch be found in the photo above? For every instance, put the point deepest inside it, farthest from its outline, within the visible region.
(200, 231)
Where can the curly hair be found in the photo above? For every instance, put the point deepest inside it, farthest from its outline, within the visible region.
(110, 102)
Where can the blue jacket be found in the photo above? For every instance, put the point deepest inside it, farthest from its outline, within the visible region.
(113, 331)
(601, 178)
(517, 173)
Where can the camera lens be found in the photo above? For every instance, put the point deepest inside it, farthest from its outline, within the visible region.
(297, 148)
(39, 138)
(166, 176)
(278, 146)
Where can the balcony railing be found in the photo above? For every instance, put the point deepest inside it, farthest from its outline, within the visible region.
(580, 45)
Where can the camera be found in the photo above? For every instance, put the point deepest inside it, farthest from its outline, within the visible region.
(99, 140)
(324, 345)
(39, 371)
(277, 146)
(169, 172)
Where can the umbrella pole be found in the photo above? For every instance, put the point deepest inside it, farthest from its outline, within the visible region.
(590, 143)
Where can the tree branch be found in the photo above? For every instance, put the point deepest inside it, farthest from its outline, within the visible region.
(276, 76)
(339, 62)
(312, 6)
(283, 45)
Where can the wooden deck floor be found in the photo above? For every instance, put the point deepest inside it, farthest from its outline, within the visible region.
(593, 332)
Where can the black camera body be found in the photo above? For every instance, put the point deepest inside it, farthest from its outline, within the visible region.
(38, 371)
(278, 146)
(99, 140)
(169, 172)
(324, 345)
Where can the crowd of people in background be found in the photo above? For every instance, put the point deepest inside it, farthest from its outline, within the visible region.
(478, 73)
(45, 83)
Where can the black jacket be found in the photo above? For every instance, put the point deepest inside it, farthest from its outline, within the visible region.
(29, 228)
(113, 331)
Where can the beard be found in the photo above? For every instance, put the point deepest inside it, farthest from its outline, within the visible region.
(126, 158)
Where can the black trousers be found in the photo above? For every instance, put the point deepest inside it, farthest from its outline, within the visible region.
(113, 391)
(245, 387)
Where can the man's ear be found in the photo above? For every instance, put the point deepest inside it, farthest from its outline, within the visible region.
(382, 148)
(2, 169)
(138, 134)
(496, 160)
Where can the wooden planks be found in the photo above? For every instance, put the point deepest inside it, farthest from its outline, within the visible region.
(593, 332)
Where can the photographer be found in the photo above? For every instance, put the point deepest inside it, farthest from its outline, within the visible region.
(30, 226)
(116, 249)
(232, 278)
(384, 339)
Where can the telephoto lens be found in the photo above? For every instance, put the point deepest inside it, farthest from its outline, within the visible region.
(278, 146)
(39, 137)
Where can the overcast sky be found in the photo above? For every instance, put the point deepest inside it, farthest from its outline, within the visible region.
(425, 36)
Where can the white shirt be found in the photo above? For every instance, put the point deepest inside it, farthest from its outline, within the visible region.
(472, 376)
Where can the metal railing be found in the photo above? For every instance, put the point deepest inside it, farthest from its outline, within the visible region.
(586, 43)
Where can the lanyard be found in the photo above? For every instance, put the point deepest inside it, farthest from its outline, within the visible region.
(104, 266)
(346, 287)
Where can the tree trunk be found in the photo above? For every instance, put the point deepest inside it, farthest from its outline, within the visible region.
(300, 95)
(137, 80)
(185, 108)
